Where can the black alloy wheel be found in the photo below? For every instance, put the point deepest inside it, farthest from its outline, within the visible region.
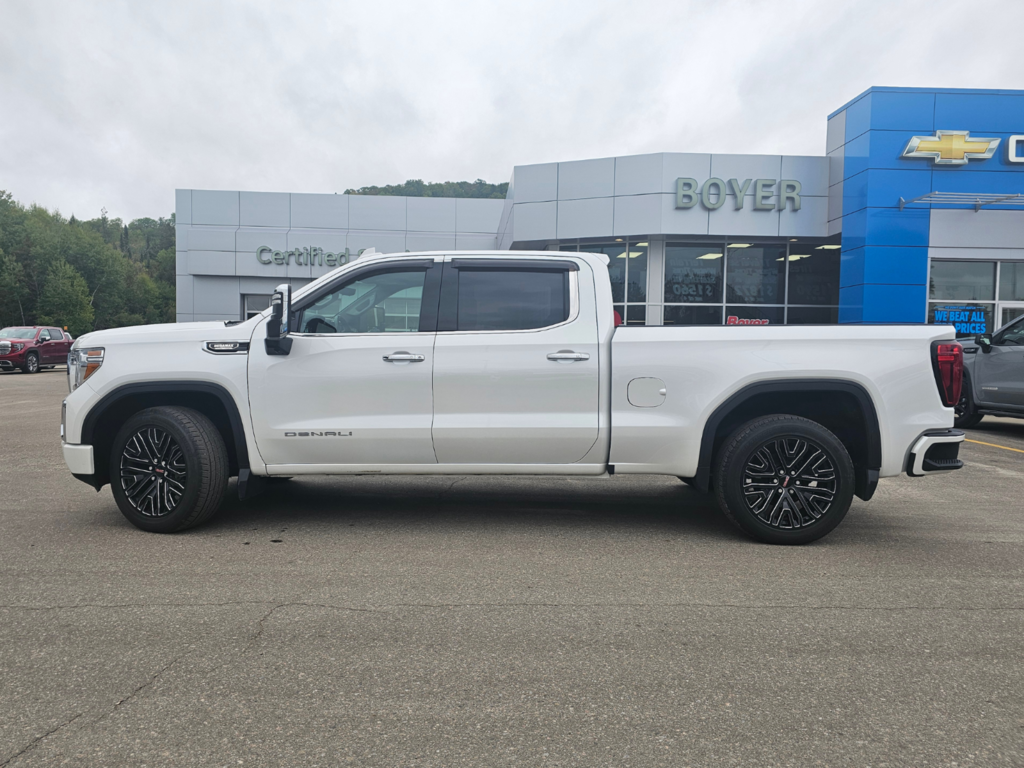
(153, 472)
(31, 363)
(789, 483)
(784, 479)
(168, 469)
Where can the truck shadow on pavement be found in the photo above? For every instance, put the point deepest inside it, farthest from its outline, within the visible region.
(637, 502)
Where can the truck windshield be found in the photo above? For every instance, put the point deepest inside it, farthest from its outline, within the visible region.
(18, 333)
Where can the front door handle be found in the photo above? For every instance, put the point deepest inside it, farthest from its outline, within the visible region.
(568, 355)
(403, 357)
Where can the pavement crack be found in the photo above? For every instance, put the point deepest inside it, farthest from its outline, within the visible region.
(32, 744)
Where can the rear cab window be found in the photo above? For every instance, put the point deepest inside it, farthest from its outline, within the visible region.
(506, 295)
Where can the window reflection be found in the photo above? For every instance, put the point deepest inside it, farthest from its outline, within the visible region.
(755, 274)
(693, 273)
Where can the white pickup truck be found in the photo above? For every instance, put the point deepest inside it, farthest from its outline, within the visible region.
(506, 363)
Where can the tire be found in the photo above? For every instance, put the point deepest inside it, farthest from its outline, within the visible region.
(966, 413)
(770, 446)
(188, 448)
(31, 363)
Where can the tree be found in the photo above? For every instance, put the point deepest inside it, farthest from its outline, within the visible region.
(65, 300)
(12, 290)
(419, 188)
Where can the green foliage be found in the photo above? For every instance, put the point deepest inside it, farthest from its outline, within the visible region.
(419, 188)
(65, 300)
(125, 270)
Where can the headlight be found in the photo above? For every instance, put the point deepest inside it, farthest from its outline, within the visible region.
(83, 363)
(17, 347)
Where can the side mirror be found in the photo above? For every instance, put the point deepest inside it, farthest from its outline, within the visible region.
(277, 341)
(985, 342)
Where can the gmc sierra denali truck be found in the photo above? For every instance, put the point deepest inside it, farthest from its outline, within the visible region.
(506, 363)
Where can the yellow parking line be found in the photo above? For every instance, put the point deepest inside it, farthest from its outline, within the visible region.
(993, 445)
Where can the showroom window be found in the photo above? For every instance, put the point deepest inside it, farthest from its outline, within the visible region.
(627, 269)
(748, 283)
(715, 283)
(975, 296)
(253, 304)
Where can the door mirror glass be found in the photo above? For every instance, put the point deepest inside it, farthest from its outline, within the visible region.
(985, 342)
(277, 341)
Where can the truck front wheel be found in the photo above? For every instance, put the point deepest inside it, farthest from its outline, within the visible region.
(168, 469)
(784, 479)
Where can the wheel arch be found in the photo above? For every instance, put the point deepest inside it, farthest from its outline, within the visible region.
(844, 407)
(105, 419)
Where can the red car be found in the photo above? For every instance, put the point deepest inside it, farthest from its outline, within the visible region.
(31, 348)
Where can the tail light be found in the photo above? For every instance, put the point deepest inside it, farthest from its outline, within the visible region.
(948, 362)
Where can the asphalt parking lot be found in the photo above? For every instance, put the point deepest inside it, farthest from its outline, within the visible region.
(531, 622)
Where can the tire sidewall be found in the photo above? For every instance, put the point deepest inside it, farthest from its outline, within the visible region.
(971, 415)
(736, 456)
(153, 417)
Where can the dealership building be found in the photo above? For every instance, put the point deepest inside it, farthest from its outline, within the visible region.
(914, 213)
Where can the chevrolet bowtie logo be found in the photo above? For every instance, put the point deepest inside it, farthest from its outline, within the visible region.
(950, 147)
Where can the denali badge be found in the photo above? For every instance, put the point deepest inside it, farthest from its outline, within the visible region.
(318, 433)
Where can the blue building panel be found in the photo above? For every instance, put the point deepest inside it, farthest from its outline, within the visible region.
(979, 113)
(858, 117)
(894, 303)
(884, 262)
(902, 111)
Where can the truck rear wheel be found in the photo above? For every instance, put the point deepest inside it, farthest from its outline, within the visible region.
(784, 480)
(168, 469)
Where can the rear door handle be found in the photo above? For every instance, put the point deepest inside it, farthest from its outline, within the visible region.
(568, 355)
(403, 357)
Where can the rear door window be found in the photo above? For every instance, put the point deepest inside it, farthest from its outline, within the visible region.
(497, 299)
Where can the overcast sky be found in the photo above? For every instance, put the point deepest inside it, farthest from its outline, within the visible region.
(116, 104)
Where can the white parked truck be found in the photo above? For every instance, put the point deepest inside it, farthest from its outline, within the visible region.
(506, 363)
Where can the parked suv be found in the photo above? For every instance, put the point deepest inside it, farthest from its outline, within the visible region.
(32, 348)
(993, 376)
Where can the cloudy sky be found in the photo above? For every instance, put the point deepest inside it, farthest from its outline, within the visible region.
(115, 104)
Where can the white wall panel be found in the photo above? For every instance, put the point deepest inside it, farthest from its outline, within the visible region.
(183, 206)
(376, 212)
(216, 295)
(319, 211)
(181, 262)
(384, 242)
(248, 240)
(534, 221)
(743, 167)
(835, 135)
(430, 214)
(536, 183)
(746, 222)
(479, 216)
(811, 172)
(426, 241)
(585, 218)
(264, 209)
(675, 165)
(183, 293)
(214, 207)
(475, 242)
(682, 221)
(586, 178)
(638, 174)
(637, 214)
(211, 262)
(211, 238)
(809, 221)
(967, 228)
